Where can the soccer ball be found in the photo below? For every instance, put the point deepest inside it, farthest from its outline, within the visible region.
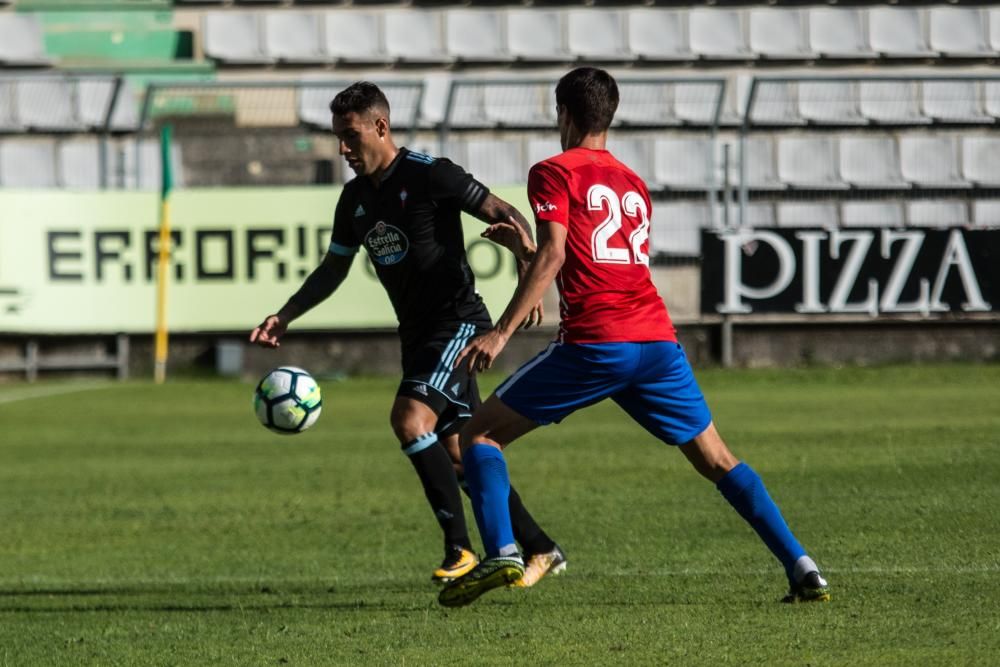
(287, 400)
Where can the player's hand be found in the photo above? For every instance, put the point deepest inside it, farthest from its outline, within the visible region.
(481, 351)
(512, 236)
(269, 332)
(534, 318)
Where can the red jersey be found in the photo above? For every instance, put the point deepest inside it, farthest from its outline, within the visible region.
(606, 293)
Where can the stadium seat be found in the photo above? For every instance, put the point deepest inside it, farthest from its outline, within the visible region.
(80, 164)
(21, 40)
(891, 102)
(994, 28)
(93, 95)
(636, 154)
(536, 36)
(761, 166)
(953, 101)
(807, 214)
(645, 104)
(937, 212)
(658, 35)
(46, 105)
(870, 162)
(830, 103)
(871, 213)
(898, 32)
(779, 33)
(675, 227)
(981, 160)
(542, 149)
(597, 35)
(959, 32)
(718, 34)
(775, 104)
(8, 113)
(415, 36)
(150, 166)
(696, 103)
(682, 163)
(474, 35)
(495, 161)
(28, 163)
(757, 214)
(354, 37)
(293, 37)
(991, 98)
(524, 105)
(930, 161)
(808, 162)
(838, 33)
(234, 37)
(986, 212)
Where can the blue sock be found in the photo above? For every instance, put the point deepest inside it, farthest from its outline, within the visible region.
(745, 491)
(489, 489)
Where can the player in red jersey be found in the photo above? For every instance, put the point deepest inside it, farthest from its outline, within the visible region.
(615, 341)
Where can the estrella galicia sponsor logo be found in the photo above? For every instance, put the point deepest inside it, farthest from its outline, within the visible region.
(386, 244)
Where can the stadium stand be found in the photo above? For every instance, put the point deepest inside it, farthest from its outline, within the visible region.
(292, 37)
(354, 37)
(28, 163)
(808, 162)
(415, 37)
(536, 36)
(598, 35)
(937, 212)
(870, 162)
(981, 160)
(807, 214)
(719, 34)
(21, 41)
(235, 38)
(838, 33)
(884, 213)
(931, 161)
(779, 33)
(475, 36)
(658, 35)
(898, 32)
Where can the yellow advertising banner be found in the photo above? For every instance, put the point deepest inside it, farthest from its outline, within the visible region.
(73, 262)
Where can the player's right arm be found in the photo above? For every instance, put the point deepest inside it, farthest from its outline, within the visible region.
(319, 285)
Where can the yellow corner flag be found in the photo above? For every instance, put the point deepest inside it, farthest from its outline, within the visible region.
(163, 263)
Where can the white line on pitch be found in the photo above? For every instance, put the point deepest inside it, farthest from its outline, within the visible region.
(45, 392)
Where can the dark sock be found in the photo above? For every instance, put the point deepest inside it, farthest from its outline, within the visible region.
(436, 473)
(527, 532)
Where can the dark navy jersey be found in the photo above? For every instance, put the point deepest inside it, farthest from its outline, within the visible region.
(410, 225)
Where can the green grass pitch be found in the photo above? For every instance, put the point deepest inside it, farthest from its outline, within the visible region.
(144, 525)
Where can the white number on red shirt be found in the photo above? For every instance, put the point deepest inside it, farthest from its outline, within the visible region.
(599, 196)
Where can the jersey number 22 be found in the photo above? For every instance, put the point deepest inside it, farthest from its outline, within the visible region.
(601, 197)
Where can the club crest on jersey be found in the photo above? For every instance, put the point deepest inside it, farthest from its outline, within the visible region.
(386, 244)
(403, 194)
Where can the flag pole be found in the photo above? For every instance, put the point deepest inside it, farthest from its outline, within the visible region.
(163, 263)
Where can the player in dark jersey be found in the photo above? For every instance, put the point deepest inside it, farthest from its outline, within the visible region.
(615, 341)
(405, 209)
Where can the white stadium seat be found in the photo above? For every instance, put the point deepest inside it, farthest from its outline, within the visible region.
(234, 37)
(930, 161)
(758, 214)
(150, 165)
(21, 40)
(838, 33)
(8, 113)
(475, 35)
(871, 213)
(870, 162)
(520, 106)
(830, 102)
(981, 160)
(986, 212)
(775, 104)
(675, 227)
(994, 28)
(959, 32)
(536, 36)
(79, 164)
(542, 149)
(645, 104)
(636, 154)
(937, 212)
(779, 33)
(415, 36)
(658, 35)
(28, 163)
(808, 162)
(761, 164)
(991, 98)
(93, 95)
(293, 37)
(807, 214)
(597, 35)
(684, 163)
(719, 34)
(354, 37)
(898, 32)
(495, 161)
(891, 102)
(46, 104)
(953, 101)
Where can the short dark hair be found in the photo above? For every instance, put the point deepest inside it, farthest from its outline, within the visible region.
(590, 96)
(360, 97)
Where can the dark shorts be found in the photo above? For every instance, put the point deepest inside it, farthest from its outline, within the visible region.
(652, 382)
(429, 376)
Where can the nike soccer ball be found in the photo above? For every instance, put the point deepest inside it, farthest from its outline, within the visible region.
(287, 400)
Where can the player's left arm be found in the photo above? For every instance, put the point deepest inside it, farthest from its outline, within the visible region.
(483, 350)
